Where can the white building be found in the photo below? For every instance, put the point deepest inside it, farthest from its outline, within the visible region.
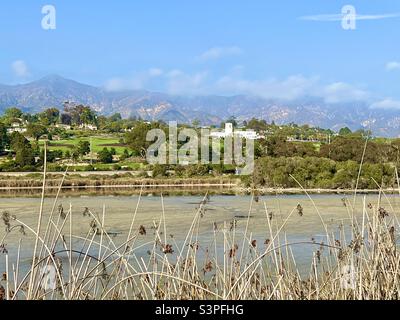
(63, 126)
(17, 127)
(88, 127)
(229, 132)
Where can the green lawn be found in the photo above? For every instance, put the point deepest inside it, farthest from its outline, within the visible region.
(98, 143)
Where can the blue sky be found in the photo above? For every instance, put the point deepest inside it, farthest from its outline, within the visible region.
(258, 47)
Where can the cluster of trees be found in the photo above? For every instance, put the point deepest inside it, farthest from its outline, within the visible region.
(4, 140)
(136, 138)
(314, 165)
(72, 115)
(313, 172)
(24, 152)
(106, 156)
(78, 115)
(342, 148)
(26, 155)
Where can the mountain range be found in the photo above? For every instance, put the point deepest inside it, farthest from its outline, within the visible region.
(53, 91)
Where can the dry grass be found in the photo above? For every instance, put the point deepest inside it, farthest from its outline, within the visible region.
(362, 266)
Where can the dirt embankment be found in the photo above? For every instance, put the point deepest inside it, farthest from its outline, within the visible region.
(116, 181)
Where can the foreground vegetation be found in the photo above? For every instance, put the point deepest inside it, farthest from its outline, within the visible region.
(361, 261)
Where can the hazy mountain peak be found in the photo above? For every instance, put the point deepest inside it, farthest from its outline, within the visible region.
(53, 90)
(55, 79)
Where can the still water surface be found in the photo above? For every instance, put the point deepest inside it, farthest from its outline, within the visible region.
(181, 210)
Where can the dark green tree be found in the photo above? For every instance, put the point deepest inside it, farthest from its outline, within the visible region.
(83, 148)
(125, 155)
(345, 131)
(3, 137)
(105, 156)
(13, 113)
(136, 139)
(116, 117)
(24, 153)
(36, 130)
(49, 116)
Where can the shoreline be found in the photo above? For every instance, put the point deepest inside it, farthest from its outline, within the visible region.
(192, 189)
(126, 182)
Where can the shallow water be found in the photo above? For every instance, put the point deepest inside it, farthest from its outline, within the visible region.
(181, 210)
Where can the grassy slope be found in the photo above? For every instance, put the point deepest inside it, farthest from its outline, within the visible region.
(98, 143)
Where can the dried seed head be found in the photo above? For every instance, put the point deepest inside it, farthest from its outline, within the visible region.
(318, 255)
(142, 231)
(232, 251)
(299, 210)
(208, 267)
(233, 225)
(86, 212)
(167, 249)
(382, 213)
(61, 212)
(6, 220)
(22, 230)
(2, 293)
(3, 249)
(392, 235)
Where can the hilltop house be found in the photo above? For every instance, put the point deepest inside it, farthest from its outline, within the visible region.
(63, 126)
(294, 139)
(91, 127)
(18, 126)
(229, 132)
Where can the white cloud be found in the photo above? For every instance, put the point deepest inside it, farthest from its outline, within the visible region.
(342, 92)
(393, 65)
(388, 103)
(219, 52)
(175, 73)
(173, 82)
(115, 84)
(137, 82)
(155, 72)
(289, 89)
(178, 82)
(339, 17)
(20, 69)
(181, 83)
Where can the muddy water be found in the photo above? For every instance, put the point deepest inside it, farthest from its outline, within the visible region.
(180, 211)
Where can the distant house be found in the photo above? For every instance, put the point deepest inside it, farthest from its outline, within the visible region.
(44, 137)
(63, 126)
(17, 127)
(56, 138)
(229, 132)
(294, 139)
(91, 127)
